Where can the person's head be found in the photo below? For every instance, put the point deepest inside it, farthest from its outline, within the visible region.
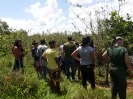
(35, 44)
(42, 41)
(119, 41)
(52, 44)
(63, 43)
(85, 41)
(77, 44)
(18, 42)
(69, 38)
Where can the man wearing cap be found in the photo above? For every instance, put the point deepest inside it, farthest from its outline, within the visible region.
(68, 49)
(117, 55)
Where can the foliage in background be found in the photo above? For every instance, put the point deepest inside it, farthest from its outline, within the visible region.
(27, 86)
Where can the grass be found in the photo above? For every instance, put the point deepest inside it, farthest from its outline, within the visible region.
(28, 86)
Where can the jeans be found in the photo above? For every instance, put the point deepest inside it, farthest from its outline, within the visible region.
(44, 71)
(118, 82)
(70, 62)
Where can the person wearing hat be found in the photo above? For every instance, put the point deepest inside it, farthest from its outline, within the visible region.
(36, 59)
(117, 55)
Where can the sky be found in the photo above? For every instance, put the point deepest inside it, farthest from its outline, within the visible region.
(55, 15)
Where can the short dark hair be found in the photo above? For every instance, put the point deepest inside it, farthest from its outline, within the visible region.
(34, 43)
(77, 43)
(69, 37)
(52, 42)
(42, 41)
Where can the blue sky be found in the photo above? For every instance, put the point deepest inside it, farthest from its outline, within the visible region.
(55, 15)
(15, 8)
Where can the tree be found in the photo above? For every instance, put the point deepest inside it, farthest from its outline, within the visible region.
(118, 26)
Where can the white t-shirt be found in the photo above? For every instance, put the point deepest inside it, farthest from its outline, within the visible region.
(85, 54)
(61, 48)
(40, 50)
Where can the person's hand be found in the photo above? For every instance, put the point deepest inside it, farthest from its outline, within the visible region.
(59, 69)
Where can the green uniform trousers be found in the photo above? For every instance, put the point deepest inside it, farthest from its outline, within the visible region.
(118, 82)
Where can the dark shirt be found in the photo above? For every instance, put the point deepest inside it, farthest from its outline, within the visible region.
(69, 48)
(76, 62)
(34, 52)
(117, 56)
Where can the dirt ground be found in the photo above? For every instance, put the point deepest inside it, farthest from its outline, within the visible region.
(102, 85)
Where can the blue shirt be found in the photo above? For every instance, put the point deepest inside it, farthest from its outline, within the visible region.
(85, 54)
(34, 51)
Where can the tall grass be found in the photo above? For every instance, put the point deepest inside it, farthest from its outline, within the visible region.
(28, 86)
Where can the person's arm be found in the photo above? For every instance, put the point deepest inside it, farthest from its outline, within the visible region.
(63, 52)
(56, 60)
(105, 56)
(33, 53)
(93, 57)
(38, 52)
(22, 54)
(16, 52)
(74, 55)
(128, 63)
(44, 56)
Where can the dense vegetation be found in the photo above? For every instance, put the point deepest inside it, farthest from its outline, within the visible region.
(28, 86)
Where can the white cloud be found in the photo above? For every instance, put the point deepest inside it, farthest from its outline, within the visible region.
(49, 9)
(80, 1)
(108, 6)
(48, 16)
(27, 25)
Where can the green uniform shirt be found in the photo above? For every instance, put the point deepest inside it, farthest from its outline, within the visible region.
(69, 47)
(117, 56)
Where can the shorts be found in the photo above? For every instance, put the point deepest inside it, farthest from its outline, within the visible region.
(54, 74)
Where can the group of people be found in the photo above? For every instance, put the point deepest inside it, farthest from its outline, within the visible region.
(79, 57)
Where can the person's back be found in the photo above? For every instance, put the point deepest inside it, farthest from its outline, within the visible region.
(85, 54)
(40, 51)
(50, 54)
(34, 53)
(117, 56)
(69, 47)
(87, 61)
(119, 62)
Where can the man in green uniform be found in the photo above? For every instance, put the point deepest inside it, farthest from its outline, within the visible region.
(119, 62)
